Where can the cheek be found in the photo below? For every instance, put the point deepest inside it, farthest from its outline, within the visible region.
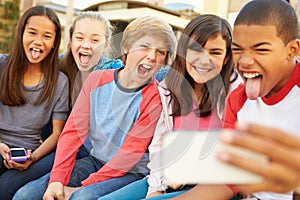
(73, 50)
(219, 62)
(51, 44)
(161, 60)
(188, 67)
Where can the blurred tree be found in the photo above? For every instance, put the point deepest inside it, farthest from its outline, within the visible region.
(9, 16)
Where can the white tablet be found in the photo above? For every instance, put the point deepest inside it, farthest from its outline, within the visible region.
(190, 157)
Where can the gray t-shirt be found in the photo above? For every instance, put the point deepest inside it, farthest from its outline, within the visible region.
(20, 126)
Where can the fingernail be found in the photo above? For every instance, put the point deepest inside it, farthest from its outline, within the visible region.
(227, 136)
(242, 126)
(223, 156)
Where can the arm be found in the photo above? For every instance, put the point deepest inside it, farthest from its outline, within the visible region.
(73, 135)
(155, 179)
(59, 117)
(45, 148)
(234, 103)
(50, 143)
(281, 173)
(134, 146)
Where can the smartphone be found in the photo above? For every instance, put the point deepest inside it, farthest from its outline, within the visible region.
(190, 157)
(18, 154)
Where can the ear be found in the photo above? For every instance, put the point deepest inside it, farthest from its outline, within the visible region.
(107, 45)
(293, 49)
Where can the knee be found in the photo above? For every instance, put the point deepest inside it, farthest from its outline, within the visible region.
(22, 194)
(82, 194)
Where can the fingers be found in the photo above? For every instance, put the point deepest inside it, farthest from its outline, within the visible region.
(280, 171)
(275, 151)
(55, 190)
(271, 133)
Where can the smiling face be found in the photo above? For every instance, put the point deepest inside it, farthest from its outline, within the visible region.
(204, 64)
(262, 59)
(144, 59)
(88, 43)
(38, 38)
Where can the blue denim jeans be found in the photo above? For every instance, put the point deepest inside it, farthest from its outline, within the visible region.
(82, 169)
(12, 180)
(138, 190)
(134, 191)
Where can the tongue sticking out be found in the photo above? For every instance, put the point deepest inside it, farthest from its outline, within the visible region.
(143, 70)
(253, 87)
(35, 54)
(84, 59)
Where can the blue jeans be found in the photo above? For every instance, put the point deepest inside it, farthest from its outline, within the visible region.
(12, 180)
(134, 191)
(138, 190)
(82, 169)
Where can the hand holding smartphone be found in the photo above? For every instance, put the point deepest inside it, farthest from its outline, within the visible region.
(18, 154)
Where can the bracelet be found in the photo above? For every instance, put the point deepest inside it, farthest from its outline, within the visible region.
(233, 189)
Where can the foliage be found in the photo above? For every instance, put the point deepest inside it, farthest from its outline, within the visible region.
(10, 13)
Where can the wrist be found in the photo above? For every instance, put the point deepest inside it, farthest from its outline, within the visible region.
(33, 158)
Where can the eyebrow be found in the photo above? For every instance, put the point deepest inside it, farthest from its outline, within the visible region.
(34, 29)
(93, 34)
(216, 49)
(256, 45)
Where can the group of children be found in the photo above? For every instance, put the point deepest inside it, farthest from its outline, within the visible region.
(121, 113)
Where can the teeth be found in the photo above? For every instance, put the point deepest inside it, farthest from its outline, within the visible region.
(147, 66)
(199, 69)
(250, 75)
(84, 53)
(35, 49)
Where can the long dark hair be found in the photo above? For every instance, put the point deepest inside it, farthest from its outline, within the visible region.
(12, 93)
(181, 85)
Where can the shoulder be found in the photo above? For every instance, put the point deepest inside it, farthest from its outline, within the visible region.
(99, 77)
(62, 77)
(238, 96)
(3, 58)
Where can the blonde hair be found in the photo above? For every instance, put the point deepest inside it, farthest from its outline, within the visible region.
(153, 26)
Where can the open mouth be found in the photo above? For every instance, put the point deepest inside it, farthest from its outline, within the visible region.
(144, 69)
(84, 58)
(252, 84)
(248, 75)
(35, 52)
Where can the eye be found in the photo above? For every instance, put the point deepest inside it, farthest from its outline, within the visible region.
(236, 50)
(262, 50)
(31, 32)
(216, 52)
(48, 36)
(144, 46)
(79, 38)
(162, 52)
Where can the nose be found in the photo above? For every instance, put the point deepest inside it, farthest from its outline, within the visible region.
(204, 58)
(151, 55)
(38, 40)
(85, 44)
(245, 60)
